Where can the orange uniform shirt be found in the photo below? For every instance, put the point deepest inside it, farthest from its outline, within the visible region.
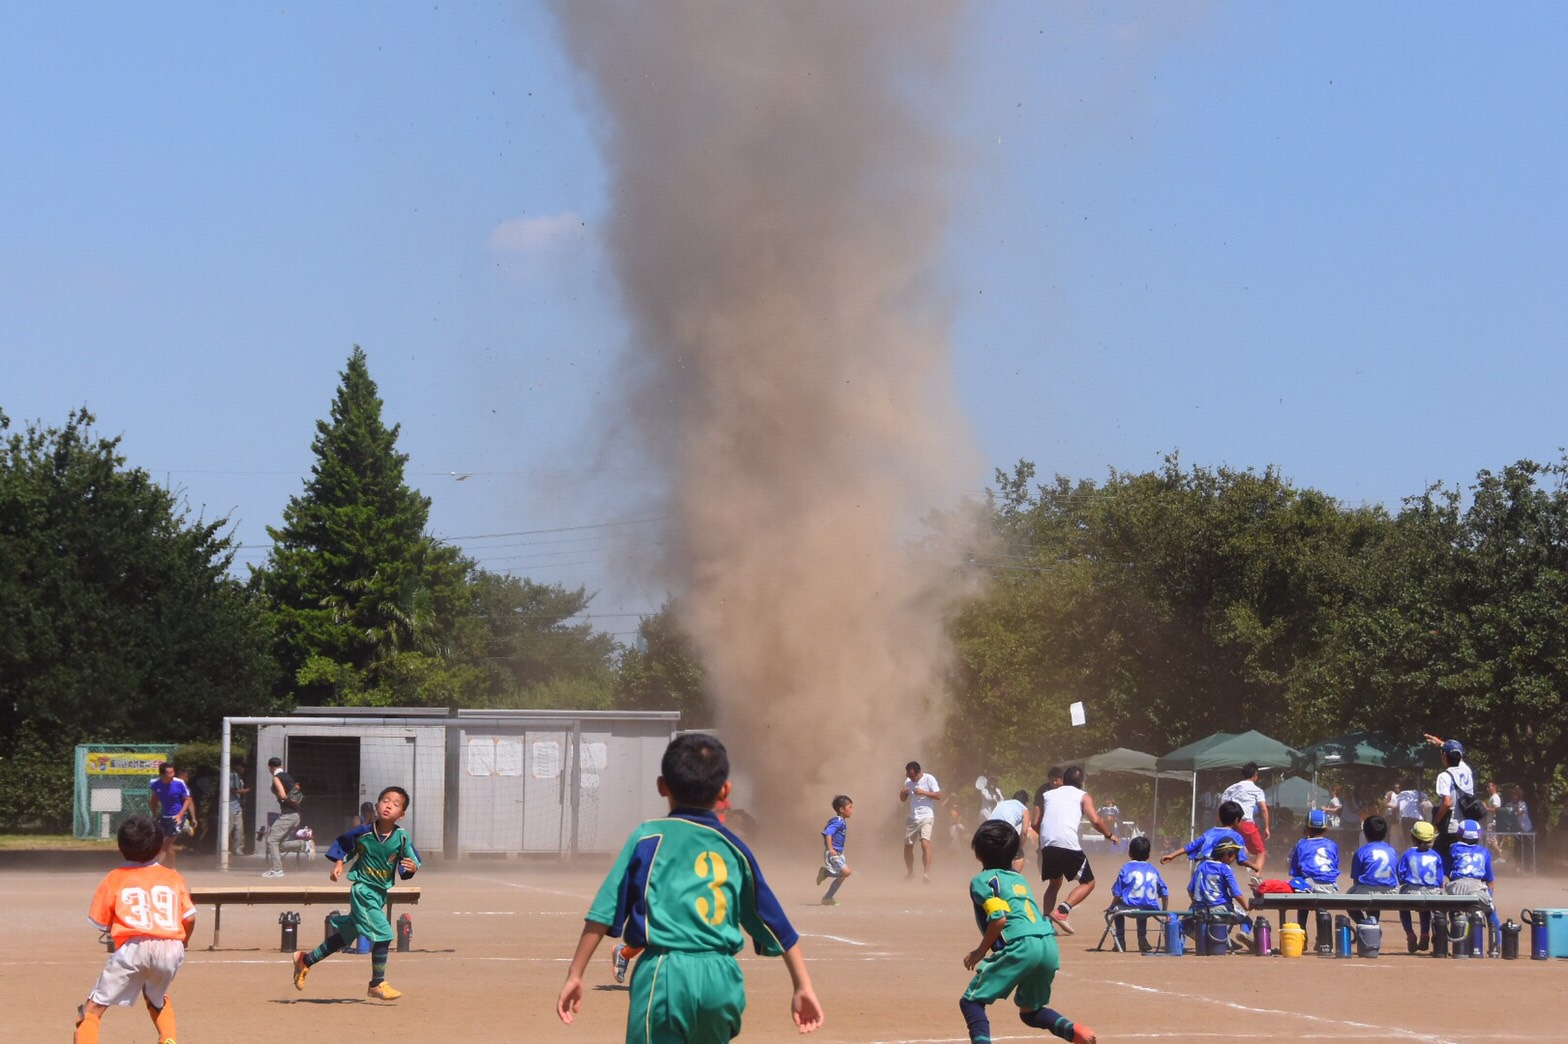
(142, 899)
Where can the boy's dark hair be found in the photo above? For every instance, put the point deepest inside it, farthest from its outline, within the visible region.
(913, 766)
(1021, 796)
(1375, 828)
(1054, 772)
(1139, 849)
(695, 768)
(1230, 813)
(140, 839)
(1249, 770)
(274, 762)
(400, 792)
(1073, 777)
(1452, 757)
(164, 765)
(995, 844)
(840, 801)
(367, 810)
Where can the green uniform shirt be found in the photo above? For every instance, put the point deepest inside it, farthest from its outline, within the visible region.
(374, 871)
(1025, 958)
(1003, 893)
(685, 883)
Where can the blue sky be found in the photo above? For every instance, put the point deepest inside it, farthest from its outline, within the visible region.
(1322, 237)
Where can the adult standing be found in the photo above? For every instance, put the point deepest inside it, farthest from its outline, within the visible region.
(1246, 793)
(170, 800)
(284, 788)
(1061, 853)
(1410, 813)
(237, 792)
(990, 794)
(1455, 787)
(920, 793)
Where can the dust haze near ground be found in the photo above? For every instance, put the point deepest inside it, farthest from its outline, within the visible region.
(778, 203)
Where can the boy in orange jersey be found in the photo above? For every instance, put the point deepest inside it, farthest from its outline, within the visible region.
(147, 910)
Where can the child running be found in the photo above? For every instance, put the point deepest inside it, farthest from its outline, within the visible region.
(682, 888)
(381, 852)
(1420, 872)
(147, 911)
(1017, 948)
(1139, 886)
(834, 863)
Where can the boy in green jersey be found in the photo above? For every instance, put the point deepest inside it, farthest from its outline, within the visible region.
(682, 889)
(379, 851)
(1017, 949)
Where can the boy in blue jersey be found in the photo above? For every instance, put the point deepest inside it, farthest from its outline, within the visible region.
(834, 863)
(1372, 867)
(1314, 863)
(682, 889)
(1199, 848)
(381, 853)
(1139, 886)
(1420, 872)
(1017, 950)
(1470, 873)
(1216, 894)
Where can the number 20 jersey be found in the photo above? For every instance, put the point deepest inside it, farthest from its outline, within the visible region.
(142, 900)
(685, 883)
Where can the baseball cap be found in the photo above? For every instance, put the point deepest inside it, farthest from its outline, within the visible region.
(1424, 831)
(1316, 818)
(1470, 830)
(1224, 845)
(1453, 747)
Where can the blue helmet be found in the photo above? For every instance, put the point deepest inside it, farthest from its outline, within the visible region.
(1470, 830)
(1317, 819)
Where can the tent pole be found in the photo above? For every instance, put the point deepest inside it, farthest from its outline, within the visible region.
(1193, 827)
(1154, 827)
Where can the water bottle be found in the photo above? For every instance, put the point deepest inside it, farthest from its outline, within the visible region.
(1511, 931)
(1439, 935)
(405, 933)
(1175, 942)
(290, 922)
(1478, 925)
(1324, 937)
(1343, 935)
(1540, 945)
(1262, 937)
(1459, 935)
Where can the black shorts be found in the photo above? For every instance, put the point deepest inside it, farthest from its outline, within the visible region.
(1064, 862)
(168, 826)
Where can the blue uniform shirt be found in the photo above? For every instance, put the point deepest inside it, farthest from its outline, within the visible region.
(1213, 884)
(1423, 869)
(836, 831)
(1315, 858)
(1472, 861)
(1139, 886)
(1373, 864)
(1202, 846)
(171, 795)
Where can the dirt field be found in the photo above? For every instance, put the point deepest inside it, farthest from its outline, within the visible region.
(491, 942)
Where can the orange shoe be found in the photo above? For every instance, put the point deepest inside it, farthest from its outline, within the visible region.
(384, 991)
(1083, 1034)
(300, 971)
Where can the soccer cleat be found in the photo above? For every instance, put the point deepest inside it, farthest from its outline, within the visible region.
(383, 991)
(1059, 917)
(822, 874)
(829, 902)
(300, 969)
(619, 961)
(310, 849)
(1083, 1034)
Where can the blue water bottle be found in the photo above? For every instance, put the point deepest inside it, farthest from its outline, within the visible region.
(1175, 943)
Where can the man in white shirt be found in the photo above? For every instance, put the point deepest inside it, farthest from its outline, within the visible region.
(1249, 796)
(1410, 799)
(1061, 854)
(920, 792)
(1454, 784)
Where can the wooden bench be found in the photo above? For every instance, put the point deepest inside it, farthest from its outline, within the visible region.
(285, 895)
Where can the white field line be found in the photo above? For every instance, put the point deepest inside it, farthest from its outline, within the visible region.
(580, 896)
(834, 938)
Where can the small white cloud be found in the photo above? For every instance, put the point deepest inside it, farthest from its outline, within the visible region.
(537, 235)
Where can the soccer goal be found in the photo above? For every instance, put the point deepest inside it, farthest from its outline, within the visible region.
(480, 783)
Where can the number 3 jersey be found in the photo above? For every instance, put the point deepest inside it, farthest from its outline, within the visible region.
(686, 883)
(142, 900)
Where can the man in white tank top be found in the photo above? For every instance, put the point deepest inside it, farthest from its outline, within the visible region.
(1061, 854)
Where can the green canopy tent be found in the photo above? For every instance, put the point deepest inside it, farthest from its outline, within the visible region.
(1298, 794)
(1137, 763)
(1226, 750)
(1367, 748)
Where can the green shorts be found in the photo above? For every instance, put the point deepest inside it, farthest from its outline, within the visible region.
(1027, 965)
(366, 917)
(678, 997)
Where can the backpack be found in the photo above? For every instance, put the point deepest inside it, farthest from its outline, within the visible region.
(296, 796)
(1471, 807)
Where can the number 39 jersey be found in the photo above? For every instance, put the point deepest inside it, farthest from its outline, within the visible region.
(146, 900)
(686, 883)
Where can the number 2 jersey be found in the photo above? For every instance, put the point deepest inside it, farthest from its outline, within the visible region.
(142, 900)
(685, 883)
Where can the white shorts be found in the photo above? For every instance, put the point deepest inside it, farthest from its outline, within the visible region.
(917, 830)
(145, 966)
(834, 862)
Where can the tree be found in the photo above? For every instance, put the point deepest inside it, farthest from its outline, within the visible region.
(662, 671)
(118, 617)
(531, 653)
(361, 598)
